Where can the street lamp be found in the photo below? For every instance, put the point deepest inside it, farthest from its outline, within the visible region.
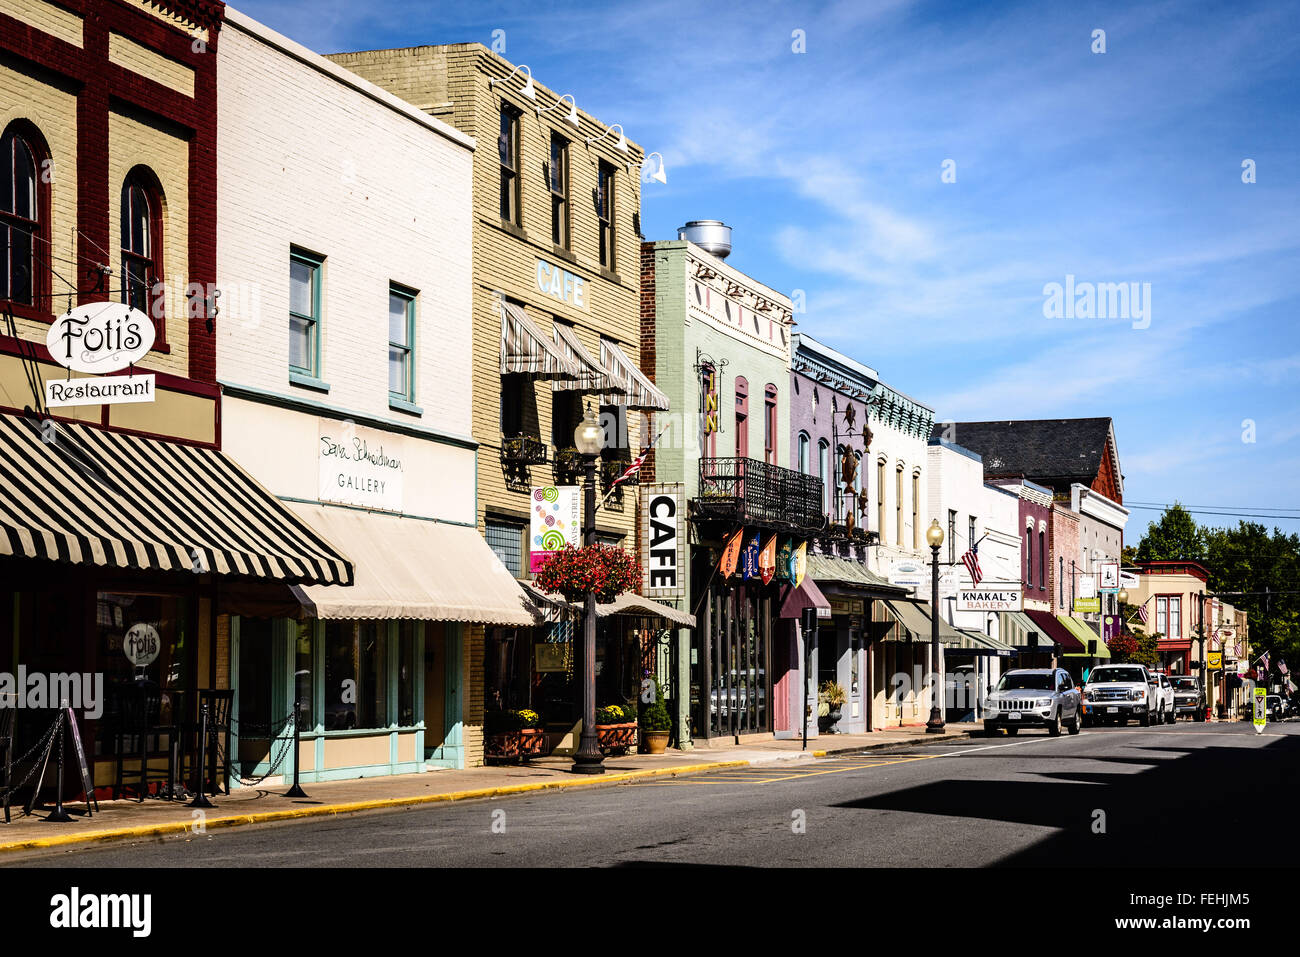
(587, 439)
(934, 538)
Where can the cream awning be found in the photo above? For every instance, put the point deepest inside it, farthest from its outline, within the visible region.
(639, 391)
(412, 568)
(526, 349)
(552, 606)
(593, 377)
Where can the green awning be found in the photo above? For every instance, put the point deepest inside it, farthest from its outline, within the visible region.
(914, 616)
(1015, 627)
(1085, 631)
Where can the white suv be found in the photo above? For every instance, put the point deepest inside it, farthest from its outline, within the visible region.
(1116, 693)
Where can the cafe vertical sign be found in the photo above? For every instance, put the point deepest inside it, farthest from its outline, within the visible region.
(663, 541)
(359, 466)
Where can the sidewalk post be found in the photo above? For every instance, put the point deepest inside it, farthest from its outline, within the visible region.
(296, 791)
(201, 797)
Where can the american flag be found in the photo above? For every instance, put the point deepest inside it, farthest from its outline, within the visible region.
(1281, 666)
(1142, 613)
(972, 563)
(630, 470)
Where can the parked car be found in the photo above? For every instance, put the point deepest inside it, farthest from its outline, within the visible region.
(1033, 697)
(1275, 707)
(1163, 699)
(1116, 693)
(1189, 697)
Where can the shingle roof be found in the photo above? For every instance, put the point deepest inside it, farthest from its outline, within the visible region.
(1051, 452)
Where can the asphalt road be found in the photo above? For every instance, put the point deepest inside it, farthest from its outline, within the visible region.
(1117, 797)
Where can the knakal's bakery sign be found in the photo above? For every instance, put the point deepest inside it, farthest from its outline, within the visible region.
(359, 466)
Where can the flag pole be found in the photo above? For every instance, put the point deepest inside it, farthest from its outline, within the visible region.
(619, 480)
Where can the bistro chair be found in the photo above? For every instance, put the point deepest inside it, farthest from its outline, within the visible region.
(137, 724)
(7, 718)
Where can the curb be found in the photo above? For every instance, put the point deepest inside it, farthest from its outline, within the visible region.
(351, 807)
(921, 741)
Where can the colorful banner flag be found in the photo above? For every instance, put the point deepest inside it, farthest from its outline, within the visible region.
(731, 553)
(767, 561)
(799, 564)
(749, 558)
(783, 556)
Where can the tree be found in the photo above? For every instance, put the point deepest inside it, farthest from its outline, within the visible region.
(1255, 572)
(1175, 537)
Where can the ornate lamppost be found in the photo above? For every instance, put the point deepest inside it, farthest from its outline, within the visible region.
(934, 538)
(588, 759)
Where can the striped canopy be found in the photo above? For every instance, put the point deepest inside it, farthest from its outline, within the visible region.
(72, 493)
(640, 392)
(593, 378)
(524, 348)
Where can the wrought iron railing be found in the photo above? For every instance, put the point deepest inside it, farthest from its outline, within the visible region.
(746, 490)
(523, 450)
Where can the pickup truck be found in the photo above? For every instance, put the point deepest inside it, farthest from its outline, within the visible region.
(1116, 693)
(1163, 697)
(1189, 699)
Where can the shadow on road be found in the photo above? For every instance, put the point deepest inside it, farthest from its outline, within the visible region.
(1126, 818)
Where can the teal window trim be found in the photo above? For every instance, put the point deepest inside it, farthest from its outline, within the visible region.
(307, 381)
(405, 402)
(316, 264)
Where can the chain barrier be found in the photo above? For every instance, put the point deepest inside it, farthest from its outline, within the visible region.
(253, 782)
(266, 726)
(43, 745)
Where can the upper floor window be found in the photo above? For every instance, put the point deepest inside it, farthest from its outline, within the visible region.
(508, 150)
(742, 417)
(970, 527)
(142, 245)
(880, 501)
(898, 505)
(23, 218)
(605, 213)
(805, 452)
(1060, 578)
(769, 424)
(1042, 561)
(1029, 556)
(916, 511)
(401, 343)
(305, 313)
(824, 472)
(559, 181)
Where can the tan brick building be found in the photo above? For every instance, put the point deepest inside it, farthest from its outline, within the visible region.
(556, 267)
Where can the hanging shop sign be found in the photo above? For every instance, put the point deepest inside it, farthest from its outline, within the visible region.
(799, 564)
(559, 283)
(1214, 661)
(100, 337)
(845, 606)
(1129, 580)
(908, 574)
(556, 521)
(749, 558)
(1088, 605)
(663, 541)
(767, 561)
(731, 554)
(109, 390)
(990, 599)
(142, 644)
(709, 402)
(359, 466)
(1109, 576)
(783, 555)
(1110, 627)
(551, 656)
(1087, 586)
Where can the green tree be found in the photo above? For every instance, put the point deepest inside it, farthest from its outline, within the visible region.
(1175, 537)
(1259, 573)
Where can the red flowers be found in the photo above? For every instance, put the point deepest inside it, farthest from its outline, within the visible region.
(606, 570)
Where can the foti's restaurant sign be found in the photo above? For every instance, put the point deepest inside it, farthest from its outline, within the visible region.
(359, 466)
(100, 337)
(990, 599)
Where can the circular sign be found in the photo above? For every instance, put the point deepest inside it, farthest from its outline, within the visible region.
(100, 337)
(142, 644)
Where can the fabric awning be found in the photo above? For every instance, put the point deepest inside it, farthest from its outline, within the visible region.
(526, 349)
(1084, 630)
(981, 644)
(1050, 630)
(851, 575)
(914, 616)
(593, 377)
(92, 497)
(1014, 627)
(638, 392)
(552, 607)
(795, 599)
(413, 568)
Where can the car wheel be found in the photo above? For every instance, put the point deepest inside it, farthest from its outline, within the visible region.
(1145, 720)
(1073, 726)
(1054, 729)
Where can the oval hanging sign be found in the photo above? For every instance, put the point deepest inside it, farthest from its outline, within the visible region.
(100, 337)
(141, 644)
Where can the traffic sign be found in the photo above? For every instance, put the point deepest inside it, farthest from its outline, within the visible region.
(1261, 709)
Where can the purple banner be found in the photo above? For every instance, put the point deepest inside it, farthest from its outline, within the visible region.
(749, 558)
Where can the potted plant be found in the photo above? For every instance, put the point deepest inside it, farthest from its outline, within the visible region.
(830, 701)
(616, 728)
(514, 735)
(656, 722)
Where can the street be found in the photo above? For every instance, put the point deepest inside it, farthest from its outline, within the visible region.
(1113, 796)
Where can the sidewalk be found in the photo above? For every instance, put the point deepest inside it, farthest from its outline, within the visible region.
(155, 818)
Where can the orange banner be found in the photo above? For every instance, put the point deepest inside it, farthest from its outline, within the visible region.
(731, 554)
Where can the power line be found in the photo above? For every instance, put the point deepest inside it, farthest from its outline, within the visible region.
(1239, 508)
(1206, 511)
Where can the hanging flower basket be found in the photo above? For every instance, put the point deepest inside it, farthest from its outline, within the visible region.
(605, 570)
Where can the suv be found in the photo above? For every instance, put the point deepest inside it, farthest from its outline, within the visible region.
(1276, 707)
(1188, 697)
(1117, 693)
(1162, 696)
(1033, 697)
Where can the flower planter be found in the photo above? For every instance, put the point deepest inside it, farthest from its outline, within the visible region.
(515, 745)
(616, 738)
(656, 742)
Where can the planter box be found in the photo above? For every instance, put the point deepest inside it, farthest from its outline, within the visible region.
(616, 738)
(515, 745)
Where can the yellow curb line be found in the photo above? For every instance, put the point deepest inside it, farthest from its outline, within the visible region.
(235, 820)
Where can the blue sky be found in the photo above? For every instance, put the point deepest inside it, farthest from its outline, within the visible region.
(1122, 166)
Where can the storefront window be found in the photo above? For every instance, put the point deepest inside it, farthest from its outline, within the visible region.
(356, 686)
(304, 668)
(407, 633)
(144, 638)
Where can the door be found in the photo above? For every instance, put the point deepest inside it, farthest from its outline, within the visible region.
(435, 688)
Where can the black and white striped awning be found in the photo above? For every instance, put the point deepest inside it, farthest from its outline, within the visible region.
(72, 493)
(593, 377)
(526, 349)
(638, 392)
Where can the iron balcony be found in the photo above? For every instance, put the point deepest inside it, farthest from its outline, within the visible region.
(746, 491)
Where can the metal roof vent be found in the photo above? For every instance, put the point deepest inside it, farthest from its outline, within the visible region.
(711, 235)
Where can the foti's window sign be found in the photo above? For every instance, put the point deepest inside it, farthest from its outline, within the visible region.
(559, 283)
(990, 599)
(142, 644)
(100, 337)
(359, 466)
(663, 541)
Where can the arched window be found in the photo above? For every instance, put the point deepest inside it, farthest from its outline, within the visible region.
(742, 417)
(769, 424)
(1042, 560)
(1029, 554)
(824, 472)
(142, 245)
(24, 219)
(804, 453)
